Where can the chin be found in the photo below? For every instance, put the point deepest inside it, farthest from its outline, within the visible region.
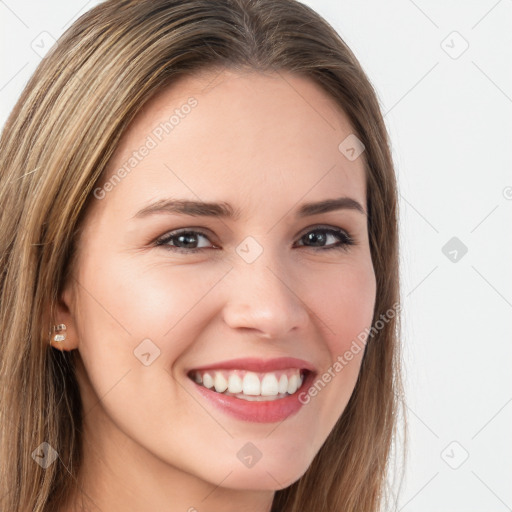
(262, 478)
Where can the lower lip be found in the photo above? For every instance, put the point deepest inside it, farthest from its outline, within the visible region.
(257, 412)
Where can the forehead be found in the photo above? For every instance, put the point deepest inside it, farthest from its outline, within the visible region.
(228, 136)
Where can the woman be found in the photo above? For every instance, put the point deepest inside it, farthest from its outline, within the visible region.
(199, 288)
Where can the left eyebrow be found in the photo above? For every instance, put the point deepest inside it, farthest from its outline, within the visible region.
(225, 210)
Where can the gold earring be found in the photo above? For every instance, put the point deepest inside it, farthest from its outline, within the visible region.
(61, 333)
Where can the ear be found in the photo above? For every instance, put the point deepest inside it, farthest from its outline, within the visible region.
(64, 313)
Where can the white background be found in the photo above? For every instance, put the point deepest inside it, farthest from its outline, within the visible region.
(449, 115)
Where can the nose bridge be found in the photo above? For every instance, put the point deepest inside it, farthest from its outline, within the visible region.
(261, 294)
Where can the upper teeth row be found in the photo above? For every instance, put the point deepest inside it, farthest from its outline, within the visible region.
(251, 383)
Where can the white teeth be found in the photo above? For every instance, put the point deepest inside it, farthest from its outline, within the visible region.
(251, 384)
(221, 384)
(269, 386)
(235, 384)
(283, 384)
(207, 381)
(293, 384)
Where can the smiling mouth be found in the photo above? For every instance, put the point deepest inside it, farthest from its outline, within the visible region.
(251, 386)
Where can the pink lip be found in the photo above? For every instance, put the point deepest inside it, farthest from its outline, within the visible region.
(259, 365)
(257, 412)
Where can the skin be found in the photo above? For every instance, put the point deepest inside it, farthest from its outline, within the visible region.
(265, 143)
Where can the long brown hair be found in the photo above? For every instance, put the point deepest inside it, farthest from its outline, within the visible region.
(53, 151)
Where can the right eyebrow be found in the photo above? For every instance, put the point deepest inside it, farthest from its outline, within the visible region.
(225, 210)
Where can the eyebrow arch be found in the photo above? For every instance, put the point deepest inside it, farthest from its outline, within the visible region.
(225, 210)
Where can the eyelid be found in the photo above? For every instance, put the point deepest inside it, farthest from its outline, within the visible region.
(313, 227)
(347, 239)
(175, 232)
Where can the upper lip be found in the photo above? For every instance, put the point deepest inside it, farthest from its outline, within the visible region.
(258, 365)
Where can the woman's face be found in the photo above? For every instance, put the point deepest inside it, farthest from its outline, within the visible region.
(265, 284)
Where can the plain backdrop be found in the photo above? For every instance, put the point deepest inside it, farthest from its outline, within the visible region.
(442, 72)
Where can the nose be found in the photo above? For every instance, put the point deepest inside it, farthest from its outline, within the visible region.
(262, 298)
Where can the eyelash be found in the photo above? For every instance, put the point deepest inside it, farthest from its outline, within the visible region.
(346, 240)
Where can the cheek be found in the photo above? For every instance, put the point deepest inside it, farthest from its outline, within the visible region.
(344, 303)
(124, 303)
